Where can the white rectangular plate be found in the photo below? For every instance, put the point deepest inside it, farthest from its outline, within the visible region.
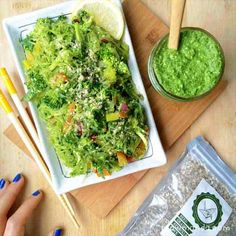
(18, 27)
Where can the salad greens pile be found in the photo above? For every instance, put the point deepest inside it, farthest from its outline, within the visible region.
(78, 77)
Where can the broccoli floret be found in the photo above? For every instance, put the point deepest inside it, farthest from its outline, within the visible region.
(123, 69)
(83, 19)
(112, 63)
(54, 99)
(35, 84)
(109, 74)
(108, 51)
(28, 43)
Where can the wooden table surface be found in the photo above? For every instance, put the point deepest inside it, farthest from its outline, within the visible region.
(217, 124)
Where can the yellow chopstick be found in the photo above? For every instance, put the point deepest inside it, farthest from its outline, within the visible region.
(5, 104)
(28, 123)
(13, 93)
(30, 146)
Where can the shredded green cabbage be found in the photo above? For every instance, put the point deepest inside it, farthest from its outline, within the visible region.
(78, 77)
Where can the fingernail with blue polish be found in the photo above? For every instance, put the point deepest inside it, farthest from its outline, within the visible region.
(57, 232)
(36, 193)
(17, 178)
(2, 183)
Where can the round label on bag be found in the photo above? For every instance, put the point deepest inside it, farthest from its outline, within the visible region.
(207, 210)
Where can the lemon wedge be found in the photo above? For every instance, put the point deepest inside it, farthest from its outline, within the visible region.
(105, 13)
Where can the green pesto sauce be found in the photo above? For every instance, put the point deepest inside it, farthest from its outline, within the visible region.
(193, 69)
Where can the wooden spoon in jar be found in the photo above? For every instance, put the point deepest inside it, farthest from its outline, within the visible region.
(177, 11)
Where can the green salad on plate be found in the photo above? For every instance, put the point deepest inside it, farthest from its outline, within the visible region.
(77, 75)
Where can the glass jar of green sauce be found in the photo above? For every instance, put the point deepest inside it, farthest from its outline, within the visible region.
(190, 72)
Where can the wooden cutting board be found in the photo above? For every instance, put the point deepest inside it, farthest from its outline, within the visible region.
(172, 118)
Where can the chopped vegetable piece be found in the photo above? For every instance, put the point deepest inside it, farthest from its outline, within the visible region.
(124, 107)
(59, 79)
(105, 172)
(37, 48)
(67, 123)
(115, 116)
(122, 159)
(131, 159)
(140, 150)
(112, 116)
(72, 108)
(26, 64)
(123, 114)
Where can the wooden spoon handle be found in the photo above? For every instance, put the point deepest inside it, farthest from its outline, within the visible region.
(177, 11)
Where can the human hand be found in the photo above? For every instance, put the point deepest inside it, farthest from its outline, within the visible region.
(15, 224)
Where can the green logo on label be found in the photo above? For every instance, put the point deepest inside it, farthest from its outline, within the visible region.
(207, 210)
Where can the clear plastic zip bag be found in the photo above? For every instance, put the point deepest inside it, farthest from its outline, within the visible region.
(161, 210)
